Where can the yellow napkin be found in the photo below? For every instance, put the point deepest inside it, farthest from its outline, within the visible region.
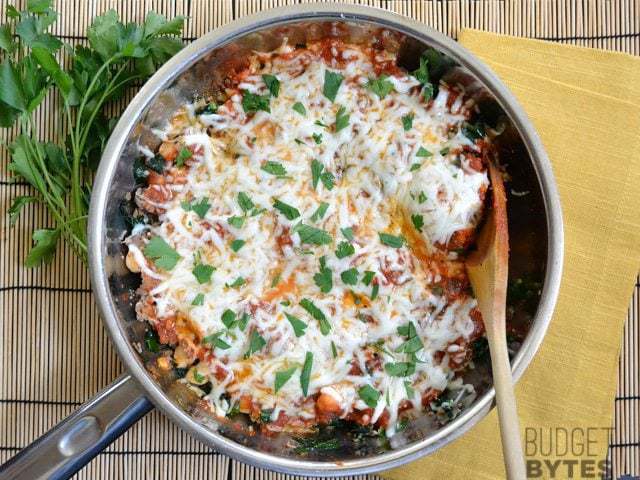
(585, 105)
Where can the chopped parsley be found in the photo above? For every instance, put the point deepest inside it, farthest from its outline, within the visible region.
(415, 166)
(312, 235)
(156, 163)
(409, 389)
(423, 152)
(345, 249)
(407, 122)
(327, 180)
(228, 318)
(256, 343)
(323, 279)
(299, 108)
(203, 272)
(243, 321)
(369, 395)
(332, 82)
(272, 83)
(245, 202)
(236, 222)
(422, 198)
(418, 221)
(444, 151)
(473, 131)
(274, 168)
(316, 170)
(283, 377)
(251, 102)
(350, 277)
(381, 86)
(342, 119)
(237, 244)
(215, 341)
(368, 277)
(374, 291)
(347, 232)
(151, 341)
(161, 253)
(237, 283)
(317, 137)
(198, 300)
(400, 369)
(305, 375)
(315, 312)
(391, 240)
(320, 212)
(413, 343)
(334, 350)
(291, 213)
(200, 208)
(184, 154)
(298, 325)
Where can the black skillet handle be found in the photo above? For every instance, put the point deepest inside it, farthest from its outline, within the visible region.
(71, 444)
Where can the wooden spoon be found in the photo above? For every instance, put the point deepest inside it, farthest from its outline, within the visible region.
(488, 269)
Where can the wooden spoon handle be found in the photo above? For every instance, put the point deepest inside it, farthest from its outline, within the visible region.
(506, 401)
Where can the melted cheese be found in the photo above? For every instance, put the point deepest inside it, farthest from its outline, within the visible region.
(371, 160)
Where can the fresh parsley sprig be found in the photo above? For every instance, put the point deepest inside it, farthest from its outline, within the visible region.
(88, 78)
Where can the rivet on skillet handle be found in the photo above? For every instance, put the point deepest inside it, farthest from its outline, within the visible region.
(64, 450)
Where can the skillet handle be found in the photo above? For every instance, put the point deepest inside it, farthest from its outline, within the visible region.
(71, 444)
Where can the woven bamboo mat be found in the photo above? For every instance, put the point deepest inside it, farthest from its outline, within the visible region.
(55, 352)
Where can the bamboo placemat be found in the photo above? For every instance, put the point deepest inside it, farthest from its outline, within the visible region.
(55, 352)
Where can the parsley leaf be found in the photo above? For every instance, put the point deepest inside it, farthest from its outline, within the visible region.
(344, 249)
(347, 232)
(391, 240)
(381, 86)
(332, 82)
(315, 312)
(368, 277)
(409, 389)
(256, 343)
(320, 211)
(413, 343)
(237, 283)
(274, 168)
(203, 272)
(350, 277)
(236, 221)
(423, 152)
(237, 244)
(299, 108)
(291, 213)
(161, 253)
(215, 341)
(422, 198)
(374, 291)
(317, 137)
(369, 395)
(272, 83)
(200, 208)
(184, 154)
(418, 221)
(245, 202)
(283, 377)
(400, 369)
(422, 72)
(323, 279)
(228, 318)
(334, 349)
(243, 321)
(298, 325)
(342, 119)
(407, 122)
(415, 166)
(312, 235)
(251, 102)
(198, 300)
(327, 180)
(305, 375)
(316, 170)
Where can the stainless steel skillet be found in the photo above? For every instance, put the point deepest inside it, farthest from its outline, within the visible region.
(535, 226)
